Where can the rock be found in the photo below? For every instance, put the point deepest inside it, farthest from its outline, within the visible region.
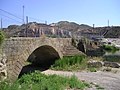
(107, 69)
(3, 68)
(3, 60)
(94, 63)
(1, 65)
(3, 75)
(111, 64)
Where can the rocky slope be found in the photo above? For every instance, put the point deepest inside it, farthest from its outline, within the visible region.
(71, 26)
(60, 29)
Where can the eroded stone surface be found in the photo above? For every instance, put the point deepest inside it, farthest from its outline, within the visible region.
(3, 67)
(18, 50)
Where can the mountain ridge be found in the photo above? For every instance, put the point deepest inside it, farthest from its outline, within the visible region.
(61, 27)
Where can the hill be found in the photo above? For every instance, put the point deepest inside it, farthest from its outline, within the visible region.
(60, 29)
(71, 26)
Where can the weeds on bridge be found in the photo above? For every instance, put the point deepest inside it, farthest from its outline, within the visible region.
(70, 63)
(2, 37)
(39, 81)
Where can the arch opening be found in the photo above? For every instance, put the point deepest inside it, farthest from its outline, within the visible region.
(41, 59)
(43, 56)
(80, 46)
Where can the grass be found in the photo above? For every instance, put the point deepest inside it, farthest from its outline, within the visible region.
(112, 58)
(74, 63)
(70, 63)
(39, 81)
(110, 48)
(92, 69)
(2, 37)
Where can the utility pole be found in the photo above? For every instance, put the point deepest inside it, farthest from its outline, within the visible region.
(108, 22)
(23, 14)
(45, 22)
(26, 19)
(26, 26)
(93, 26)
(1, 23)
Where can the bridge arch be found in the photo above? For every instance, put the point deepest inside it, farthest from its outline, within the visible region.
(41, 59)
(44, 56)
(81, 46)
(19, 50)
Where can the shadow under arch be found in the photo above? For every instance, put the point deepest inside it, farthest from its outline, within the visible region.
(80, 46)
(41, 59)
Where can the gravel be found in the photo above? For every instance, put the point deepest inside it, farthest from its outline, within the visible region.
(106, 80)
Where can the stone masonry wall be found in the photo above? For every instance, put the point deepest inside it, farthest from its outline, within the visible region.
(17, 50)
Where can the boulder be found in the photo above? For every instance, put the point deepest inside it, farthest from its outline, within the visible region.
(111, 64)
(96, 64)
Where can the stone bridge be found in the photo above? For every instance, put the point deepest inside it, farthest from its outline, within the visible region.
(40, 51)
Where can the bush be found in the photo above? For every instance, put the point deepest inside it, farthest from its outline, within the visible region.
(39, 81)
(70, 63)
(2, 37)
(112, 58)
(110, 48)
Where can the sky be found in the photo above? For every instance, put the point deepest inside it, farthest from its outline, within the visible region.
(88, 12)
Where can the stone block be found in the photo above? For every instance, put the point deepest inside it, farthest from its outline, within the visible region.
(111, 64)
(96, 64)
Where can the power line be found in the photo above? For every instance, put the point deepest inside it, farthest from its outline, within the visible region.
(11, 14)
(10, 18)
(108, 22)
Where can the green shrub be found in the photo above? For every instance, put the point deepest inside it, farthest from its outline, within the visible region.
(39, 81)
(4, 85)
(2, 37)
(112, 58)
(70, 63)
(76, 84)
(110, 48)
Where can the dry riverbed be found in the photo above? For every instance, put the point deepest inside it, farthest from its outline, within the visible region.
(99, 79)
